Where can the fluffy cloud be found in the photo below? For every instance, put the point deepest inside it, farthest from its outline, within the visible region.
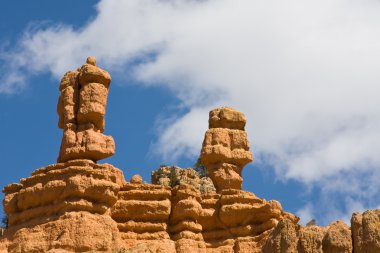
(304, 72)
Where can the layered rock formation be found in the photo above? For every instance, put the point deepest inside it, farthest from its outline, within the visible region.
(225, 149)
(366, 231)
(142, 214)
(63, 206)
(81, 109)
(66, 206)
(288, 237)
(78, 205)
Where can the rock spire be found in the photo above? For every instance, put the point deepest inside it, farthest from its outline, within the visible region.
(81, 109)
(225, 149)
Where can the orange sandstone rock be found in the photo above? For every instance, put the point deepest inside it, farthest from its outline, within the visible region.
(337, 238)
(310, 239)
(81, 109)
(291, 237)
(184, 226)
(225, 149)
(142, 213)
(70, 232)
(283, 239)
(64, 206)
(366, 231)
(136, 179)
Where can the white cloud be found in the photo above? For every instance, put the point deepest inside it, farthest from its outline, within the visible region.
(306, 214)
(306, 73)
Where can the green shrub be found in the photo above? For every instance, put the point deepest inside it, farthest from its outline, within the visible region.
(200, 168)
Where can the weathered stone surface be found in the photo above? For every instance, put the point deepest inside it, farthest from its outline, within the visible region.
(283, 238)
(366, 231)
(85, 144)
(225, 149)
(63, 206)
(92, 104)
(71, 232)
(150, 246)
(226, 145)
(90, 73)
(69, 99)
(142, 213)
(227, 117)
(184, 226)
(172, 176)
(81, 109)
(73, 186)
(291, 237)
(337, 238)
(310, 239)
(136, 179)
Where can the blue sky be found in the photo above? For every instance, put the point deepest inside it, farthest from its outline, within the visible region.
(305, 74)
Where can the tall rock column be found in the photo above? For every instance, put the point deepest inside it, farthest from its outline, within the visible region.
(233, 220)
(65, 207)
(81, 109)
(225, 149)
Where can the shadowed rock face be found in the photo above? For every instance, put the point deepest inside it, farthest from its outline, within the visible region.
(81, 109)
(77, 205)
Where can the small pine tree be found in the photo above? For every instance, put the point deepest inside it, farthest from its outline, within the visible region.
(173, 179)
(4, 221)
(200, 168)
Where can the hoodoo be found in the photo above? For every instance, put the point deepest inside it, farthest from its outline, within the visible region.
(78, 205)
(225, 148)
(81, 109)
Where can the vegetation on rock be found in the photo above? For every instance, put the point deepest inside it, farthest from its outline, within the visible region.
(173, 176)
(4, 221)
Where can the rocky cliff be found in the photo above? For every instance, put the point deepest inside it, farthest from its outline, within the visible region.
(78, 205)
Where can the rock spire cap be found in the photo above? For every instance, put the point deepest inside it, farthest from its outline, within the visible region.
(91, 60)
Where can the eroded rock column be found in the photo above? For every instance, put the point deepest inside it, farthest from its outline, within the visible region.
(66, 206)
(233, 220)
(225, 149)
(81, 109)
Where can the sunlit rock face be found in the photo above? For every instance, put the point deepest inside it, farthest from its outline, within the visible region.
(225, 149)
(78, 205)
(63, 206)
(81, 109)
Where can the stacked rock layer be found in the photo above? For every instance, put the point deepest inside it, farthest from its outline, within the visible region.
(225, 149)
(77, 205)
(81, 109)
(63, 206)
(142, 213)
